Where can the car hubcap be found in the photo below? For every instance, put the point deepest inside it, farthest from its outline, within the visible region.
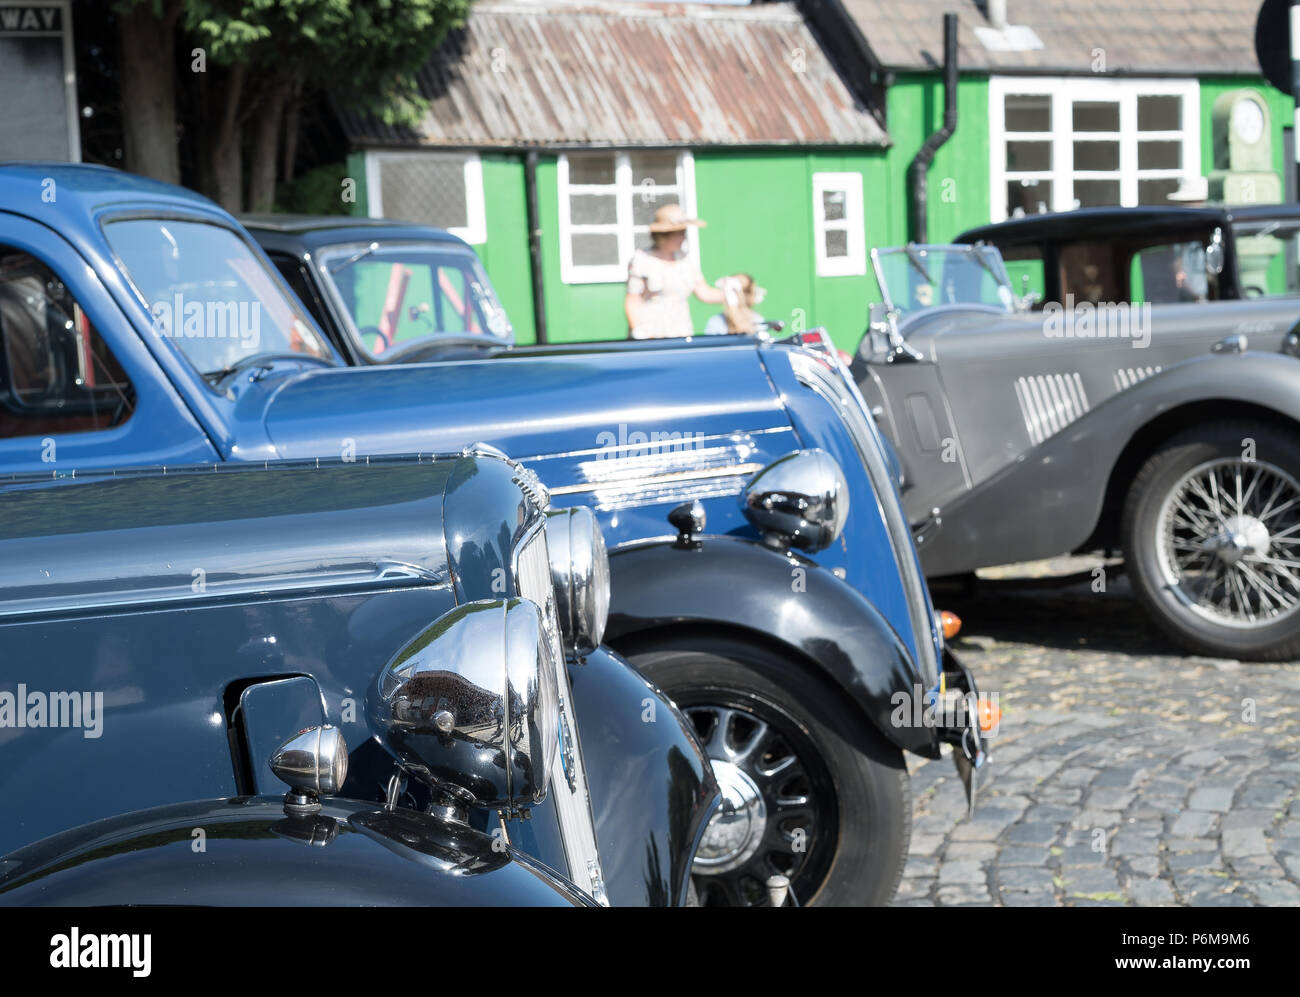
(736, 828)
(1229, 534)
(777, 809)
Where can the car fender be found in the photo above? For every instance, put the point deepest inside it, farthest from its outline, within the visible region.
(652, 790)
(247, 852)
(786, 600)
(1051, 500)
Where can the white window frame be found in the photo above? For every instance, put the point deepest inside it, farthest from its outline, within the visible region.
(624, 191)
(1064, 91)
(853, 222)
(475, 232)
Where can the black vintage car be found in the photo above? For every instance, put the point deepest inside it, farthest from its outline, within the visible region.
(1162, 255)
(408, 646)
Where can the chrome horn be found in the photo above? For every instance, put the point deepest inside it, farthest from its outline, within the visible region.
(314, 763)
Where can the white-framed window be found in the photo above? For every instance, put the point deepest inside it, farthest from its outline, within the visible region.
(607, 201)
(442, 189)
(1059, 144)
(839, 235)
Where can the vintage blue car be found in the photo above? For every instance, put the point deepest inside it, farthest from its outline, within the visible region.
(386, 641)
(792, 632)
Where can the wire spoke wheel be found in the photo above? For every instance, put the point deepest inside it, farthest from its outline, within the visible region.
(1228, 540)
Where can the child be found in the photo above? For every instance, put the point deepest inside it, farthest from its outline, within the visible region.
(740, 295)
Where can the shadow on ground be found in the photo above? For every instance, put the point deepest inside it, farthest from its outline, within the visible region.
(1058, 613)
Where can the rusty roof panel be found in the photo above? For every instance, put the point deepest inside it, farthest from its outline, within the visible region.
(560, 74)
(1164, 37)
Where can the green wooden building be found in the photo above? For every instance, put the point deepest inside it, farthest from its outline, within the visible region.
(789, 128)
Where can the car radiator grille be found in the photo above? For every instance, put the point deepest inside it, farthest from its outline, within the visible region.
(569, 787)
(533, 581)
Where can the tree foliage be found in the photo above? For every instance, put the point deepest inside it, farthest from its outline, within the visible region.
(261, 60)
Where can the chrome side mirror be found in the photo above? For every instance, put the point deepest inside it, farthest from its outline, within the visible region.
(800, 500)
(471, 705)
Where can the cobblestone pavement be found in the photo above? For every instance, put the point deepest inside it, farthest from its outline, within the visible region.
(1123, 772)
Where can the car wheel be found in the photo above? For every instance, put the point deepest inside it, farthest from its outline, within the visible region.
(812, 791)
(1211, 533)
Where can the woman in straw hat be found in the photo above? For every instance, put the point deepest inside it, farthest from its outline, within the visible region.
(660, 280)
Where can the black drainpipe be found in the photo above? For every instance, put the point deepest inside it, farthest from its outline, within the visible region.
(535, 244)
(917, 172)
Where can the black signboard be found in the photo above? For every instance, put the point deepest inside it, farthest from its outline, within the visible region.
(28, 19)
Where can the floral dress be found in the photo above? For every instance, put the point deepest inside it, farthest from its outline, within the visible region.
(665, 288)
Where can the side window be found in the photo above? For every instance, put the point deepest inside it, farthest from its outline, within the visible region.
(1170, 273)
(457, 300)
(56, 373)
(1090, 271)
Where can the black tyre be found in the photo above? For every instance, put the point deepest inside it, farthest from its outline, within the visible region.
(1211, 534)
(833, 811)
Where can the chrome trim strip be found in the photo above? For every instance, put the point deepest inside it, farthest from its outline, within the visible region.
(736, 438)
(1050, 402)
(387, 575)
(837, 389)
(1127, 377)
(670, 477)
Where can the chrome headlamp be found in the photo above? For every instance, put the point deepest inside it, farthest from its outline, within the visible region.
(580, 571)
(799, 500)
(472, 705)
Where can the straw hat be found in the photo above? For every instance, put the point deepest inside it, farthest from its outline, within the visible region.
(671, 218)
(1191, 190)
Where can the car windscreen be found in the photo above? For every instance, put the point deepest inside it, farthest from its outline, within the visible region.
(398, 293)
(1268, 256)
(916, 277)
(211, 293)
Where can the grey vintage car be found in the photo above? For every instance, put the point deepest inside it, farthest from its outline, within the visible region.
(1170, 432)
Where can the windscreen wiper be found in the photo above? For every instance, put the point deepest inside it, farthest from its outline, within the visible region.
(360, 254)
(977, 250)
(264, 360)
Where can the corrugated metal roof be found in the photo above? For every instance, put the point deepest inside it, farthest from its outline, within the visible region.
(559, 74)
(1158, 37)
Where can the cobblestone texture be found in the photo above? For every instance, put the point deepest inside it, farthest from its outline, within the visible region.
(1123, 774)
